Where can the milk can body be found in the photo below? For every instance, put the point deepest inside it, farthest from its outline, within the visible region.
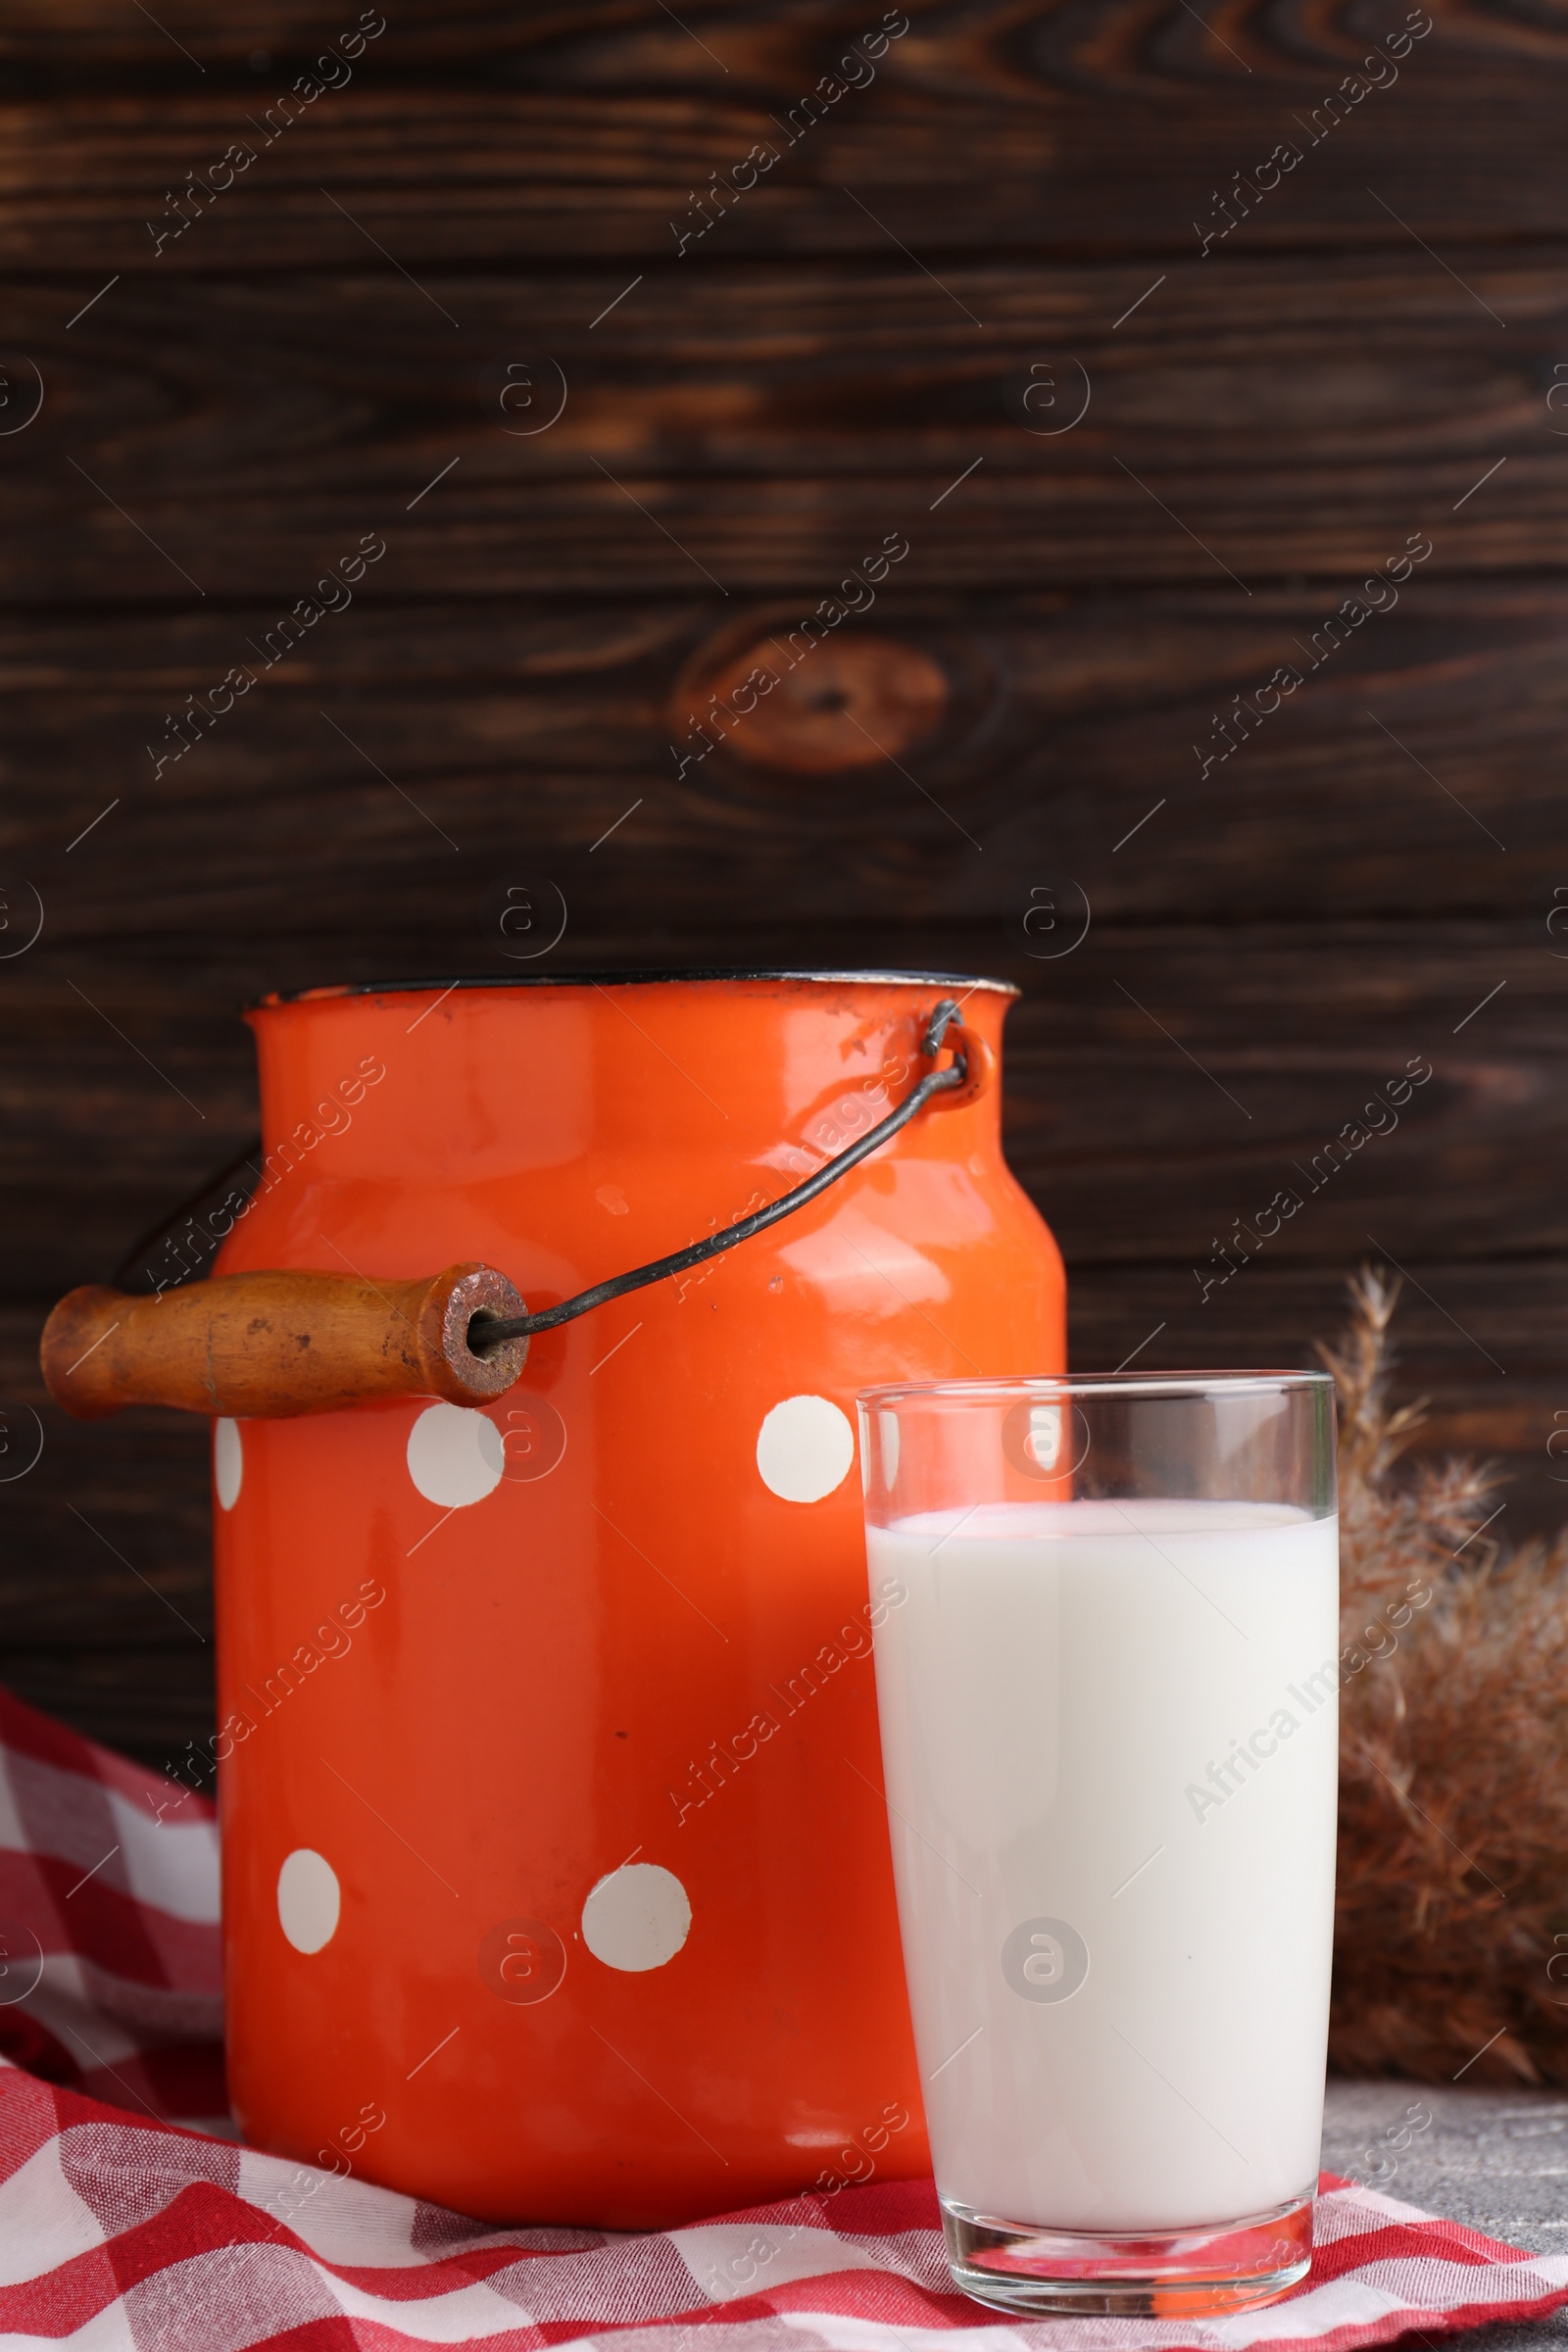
(556, 1874)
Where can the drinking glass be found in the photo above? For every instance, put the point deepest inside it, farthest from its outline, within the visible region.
(1106, 1665)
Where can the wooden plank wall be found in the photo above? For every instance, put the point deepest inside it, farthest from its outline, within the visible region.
(1150, 349)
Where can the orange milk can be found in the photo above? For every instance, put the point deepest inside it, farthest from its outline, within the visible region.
(556, 1872)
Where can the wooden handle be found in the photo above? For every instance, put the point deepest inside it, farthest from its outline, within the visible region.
(269, 1346)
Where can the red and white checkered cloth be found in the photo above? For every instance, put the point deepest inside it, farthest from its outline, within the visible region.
(123, 2232)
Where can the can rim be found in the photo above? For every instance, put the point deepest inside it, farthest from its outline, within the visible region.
(441, 985)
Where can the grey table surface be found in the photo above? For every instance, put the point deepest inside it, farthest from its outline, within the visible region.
(1496, 2160)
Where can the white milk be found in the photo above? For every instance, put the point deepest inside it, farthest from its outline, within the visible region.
(1109, 1734)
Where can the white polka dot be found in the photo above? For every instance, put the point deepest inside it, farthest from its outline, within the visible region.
(803, 1449)
(308, 1899)
(228, 1462)
(455, 1455)
(637, 1918)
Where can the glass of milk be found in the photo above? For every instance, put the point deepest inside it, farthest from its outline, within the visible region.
(1106, 1663)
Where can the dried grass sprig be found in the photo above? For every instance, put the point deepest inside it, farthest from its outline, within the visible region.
(1451, 1923)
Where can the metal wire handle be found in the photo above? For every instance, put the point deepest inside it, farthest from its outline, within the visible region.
(486, 1332)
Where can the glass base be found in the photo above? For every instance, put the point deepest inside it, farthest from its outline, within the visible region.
(1165, 2274)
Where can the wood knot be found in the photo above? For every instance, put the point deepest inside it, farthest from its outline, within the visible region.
(808, 705)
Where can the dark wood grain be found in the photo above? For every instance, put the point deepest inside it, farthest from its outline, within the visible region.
(1380, 396)
(1412, 777)
(515, 134)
